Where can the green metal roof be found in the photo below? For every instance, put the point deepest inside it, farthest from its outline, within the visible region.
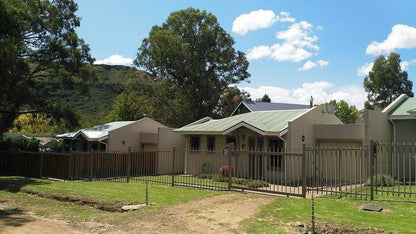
(264, 121)
(404, 109)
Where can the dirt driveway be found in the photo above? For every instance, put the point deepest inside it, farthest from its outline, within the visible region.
(217, 214)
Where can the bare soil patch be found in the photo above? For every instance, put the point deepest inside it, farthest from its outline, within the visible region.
(16, 221)
(223, 213)
(80, 200)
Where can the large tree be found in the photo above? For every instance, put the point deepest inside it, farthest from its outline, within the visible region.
(346, 113)
(265, 98)
(229, 100)
(386, 81)
(196, 56)
(39, 45)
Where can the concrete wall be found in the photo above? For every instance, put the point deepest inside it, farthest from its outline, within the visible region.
(303, 126)
(348, 135)
(131, 134)
(377, 126)
(405, 131)
(167, 139)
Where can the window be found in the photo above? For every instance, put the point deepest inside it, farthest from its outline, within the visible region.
(231, 140)
(211, 143)
(275, 162)
(195, 140)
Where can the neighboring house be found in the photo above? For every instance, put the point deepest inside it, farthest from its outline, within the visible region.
(44, 141)
(401, 114)
(251, 106)
(117, 136)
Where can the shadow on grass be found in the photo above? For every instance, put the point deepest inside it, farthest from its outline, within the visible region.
(14, 184)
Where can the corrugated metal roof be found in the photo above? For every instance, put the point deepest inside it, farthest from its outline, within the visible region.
(267, 106)
(405, 109)
(96, 132)
(265, 121)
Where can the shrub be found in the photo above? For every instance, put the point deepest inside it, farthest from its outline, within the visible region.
(204, 176)
(382, 180)
(31, 144)
(251, 183)
(256, 183)
(55, 145)
(224, 171)
(219, 178)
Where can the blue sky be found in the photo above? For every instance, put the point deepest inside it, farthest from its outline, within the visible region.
(296, 49)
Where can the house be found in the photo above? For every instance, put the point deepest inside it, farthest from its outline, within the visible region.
(258, 130)
(252, 106)
(120, 136)
(401, 114)
(253, 133)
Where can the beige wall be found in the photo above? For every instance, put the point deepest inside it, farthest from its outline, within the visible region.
(167, 139)
(378, 127)
(303, 126)
(131, 134)
(405, 131)
(345, 135)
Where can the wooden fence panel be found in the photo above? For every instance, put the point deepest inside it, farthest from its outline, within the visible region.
(55, 165)
(8, 163)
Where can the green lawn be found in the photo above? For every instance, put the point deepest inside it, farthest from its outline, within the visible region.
(128, 193)
(274, 218)
(396, 217)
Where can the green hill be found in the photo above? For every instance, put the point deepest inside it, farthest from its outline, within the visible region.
(95, 106)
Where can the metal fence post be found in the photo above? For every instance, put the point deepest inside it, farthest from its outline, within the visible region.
(230, 153)
(303, 171)
(41, 163)
(372, 152)
(173, 166)
(339, 170)
(129, 165)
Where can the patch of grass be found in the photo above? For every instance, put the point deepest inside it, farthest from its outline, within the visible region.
(209, 180)
(126, 193)
(337, 213)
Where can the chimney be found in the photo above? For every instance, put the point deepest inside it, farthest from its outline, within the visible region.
(311, 102)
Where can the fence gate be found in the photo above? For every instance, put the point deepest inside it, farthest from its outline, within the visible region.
(268, 172)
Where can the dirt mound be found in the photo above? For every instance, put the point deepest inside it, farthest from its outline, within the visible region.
(80, 200)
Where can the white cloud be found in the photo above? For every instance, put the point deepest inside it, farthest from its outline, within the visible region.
(259, 52)
(323, 63)
(298, 35)
(285, 17)
(257, 20)
(364, 69)
(401, 37)
(288, 52)
(253, 21)
(308, 65)
(298, 40)
(115, 60)
(321, 91)
(405, 64)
